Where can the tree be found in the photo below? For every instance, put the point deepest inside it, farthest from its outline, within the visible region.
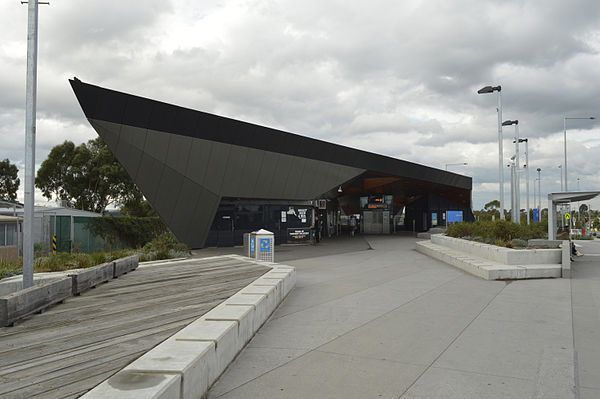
(87, 176)
(137, 207)
(9, 180)
(495, 204)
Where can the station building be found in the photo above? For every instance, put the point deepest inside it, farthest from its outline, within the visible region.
(211, 178)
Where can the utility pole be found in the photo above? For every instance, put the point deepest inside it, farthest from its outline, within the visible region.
(30, 127)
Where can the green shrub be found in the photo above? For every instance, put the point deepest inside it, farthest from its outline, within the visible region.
(134, 232)
(491, 231)
(163, 246)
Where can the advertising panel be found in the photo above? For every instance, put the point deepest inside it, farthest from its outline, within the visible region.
(301, 234)
(455, 216)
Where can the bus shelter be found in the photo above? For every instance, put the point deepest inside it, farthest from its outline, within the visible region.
(564, 198)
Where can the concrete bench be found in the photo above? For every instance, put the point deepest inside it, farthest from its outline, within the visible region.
(497, 263)
(189, 362)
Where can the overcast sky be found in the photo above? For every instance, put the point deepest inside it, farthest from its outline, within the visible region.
(393, 77)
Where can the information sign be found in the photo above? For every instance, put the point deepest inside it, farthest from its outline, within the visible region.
(299, 234)
(455, 216)
(536, 215)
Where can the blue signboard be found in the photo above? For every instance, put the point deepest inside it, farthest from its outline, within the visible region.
(265, 244)
(252, 244)
(455, 216)
(434, 218)
(536, 215)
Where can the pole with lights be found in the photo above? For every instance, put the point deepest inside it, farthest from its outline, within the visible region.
(487, 90)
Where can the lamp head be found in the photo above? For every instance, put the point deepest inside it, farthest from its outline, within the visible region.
(489, 89)
(508, 123)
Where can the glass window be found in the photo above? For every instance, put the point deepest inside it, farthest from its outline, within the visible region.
(11, 235)
(2, 234)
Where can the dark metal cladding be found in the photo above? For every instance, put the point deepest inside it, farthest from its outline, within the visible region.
(108, 105)
(186, 162)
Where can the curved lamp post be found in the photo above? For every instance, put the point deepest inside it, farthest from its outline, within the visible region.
(487, 90)
(517, 185)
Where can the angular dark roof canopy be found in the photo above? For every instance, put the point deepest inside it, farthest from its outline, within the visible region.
(185, 161)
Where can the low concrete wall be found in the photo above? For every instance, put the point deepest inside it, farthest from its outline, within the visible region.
(189, 362)
(91, 277)
(507, 256)
(566, 259)
(539, 242)
(25, 302)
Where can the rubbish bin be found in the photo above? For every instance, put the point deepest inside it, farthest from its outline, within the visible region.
(261, 245)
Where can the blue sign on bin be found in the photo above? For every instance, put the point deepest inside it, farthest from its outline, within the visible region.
(536, 215)
(455, 216)
(252, 244)
(265, 244)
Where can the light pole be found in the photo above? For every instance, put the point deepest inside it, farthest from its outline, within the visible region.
(455, 164)
(517, 190)
(30, 122)
(565, 142)
(514, 211)
(539, 170)
(487, 90)
(526, 166)
(562, 189)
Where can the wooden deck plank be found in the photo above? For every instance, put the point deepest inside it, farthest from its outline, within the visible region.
(69, 349)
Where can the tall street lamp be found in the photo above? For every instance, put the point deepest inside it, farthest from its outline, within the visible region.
(539, 170)
(455, 164)
(565, 142)
(517, 192)
(487, 90)
(514, 211)
(562, 188)
(526, 166)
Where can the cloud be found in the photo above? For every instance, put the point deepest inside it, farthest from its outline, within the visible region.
(397, 78)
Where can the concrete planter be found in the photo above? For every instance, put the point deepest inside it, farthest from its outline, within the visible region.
(507, 256)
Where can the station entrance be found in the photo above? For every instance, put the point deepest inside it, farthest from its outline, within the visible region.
(376, 214)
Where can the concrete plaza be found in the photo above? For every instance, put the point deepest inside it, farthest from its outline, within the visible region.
(379, 320)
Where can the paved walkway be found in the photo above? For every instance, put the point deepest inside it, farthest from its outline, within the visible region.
(585, 285)
(74, 346)
(392, 323)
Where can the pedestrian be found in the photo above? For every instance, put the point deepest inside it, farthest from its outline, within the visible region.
(352, 225)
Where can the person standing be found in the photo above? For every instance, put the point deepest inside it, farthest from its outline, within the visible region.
(352, 225)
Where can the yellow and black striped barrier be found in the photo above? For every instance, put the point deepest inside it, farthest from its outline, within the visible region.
(54, 244)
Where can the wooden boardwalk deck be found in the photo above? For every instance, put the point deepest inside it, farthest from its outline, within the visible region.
(64, 352)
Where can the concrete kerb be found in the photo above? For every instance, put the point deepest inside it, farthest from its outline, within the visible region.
(199, 353)
(566, 259)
